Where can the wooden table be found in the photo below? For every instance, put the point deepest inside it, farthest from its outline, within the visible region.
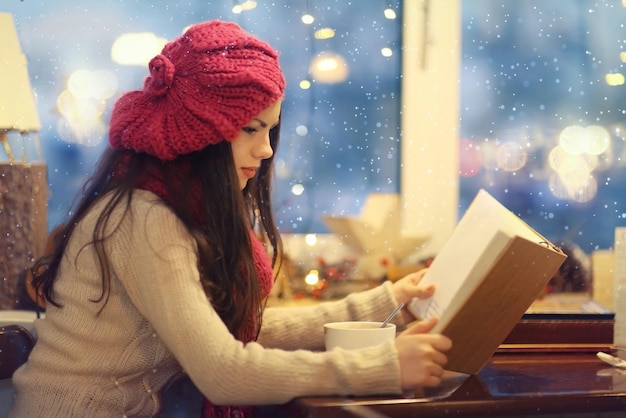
(511, 384)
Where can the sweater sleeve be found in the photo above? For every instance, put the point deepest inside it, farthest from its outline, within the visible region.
(303, 327)
(154, 257)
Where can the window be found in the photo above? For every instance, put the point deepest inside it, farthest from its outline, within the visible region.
(493, 91)
(538, 87)
(543, 111)
(341, 136)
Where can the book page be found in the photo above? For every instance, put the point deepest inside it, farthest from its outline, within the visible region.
(476, 242)
(480, 268)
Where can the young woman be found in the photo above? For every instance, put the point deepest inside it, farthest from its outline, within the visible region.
(157, 273)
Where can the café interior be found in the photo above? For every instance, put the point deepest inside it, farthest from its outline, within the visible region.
(396, 114)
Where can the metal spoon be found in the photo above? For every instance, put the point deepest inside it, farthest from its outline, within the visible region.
(391, 315)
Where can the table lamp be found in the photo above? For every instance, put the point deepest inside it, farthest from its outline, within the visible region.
(23, 184)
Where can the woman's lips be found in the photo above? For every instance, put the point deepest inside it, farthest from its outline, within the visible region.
(249, 171)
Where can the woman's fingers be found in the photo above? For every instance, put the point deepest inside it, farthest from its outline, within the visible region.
(421, 327)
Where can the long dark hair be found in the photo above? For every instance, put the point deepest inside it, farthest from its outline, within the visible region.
(221, 232)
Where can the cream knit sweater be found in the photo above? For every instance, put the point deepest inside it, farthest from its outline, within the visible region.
(158, 324)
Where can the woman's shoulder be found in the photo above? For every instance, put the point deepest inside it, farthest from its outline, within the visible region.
(145, 211)
(147, 220)
(144, 201)
(140, 201)
(147, 206)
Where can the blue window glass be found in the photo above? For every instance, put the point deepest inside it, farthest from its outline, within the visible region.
(340, 133)
(542, 113)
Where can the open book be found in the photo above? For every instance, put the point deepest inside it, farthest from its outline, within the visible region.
(487, 274)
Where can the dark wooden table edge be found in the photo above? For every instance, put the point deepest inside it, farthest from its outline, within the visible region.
(564, 404)
(471, 399)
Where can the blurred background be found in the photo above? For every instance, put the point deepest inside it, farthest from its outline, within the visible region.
(341, 116)
(541, 100)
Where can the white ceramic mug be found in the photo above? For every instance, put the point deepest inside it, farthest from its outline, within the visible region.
(352, 335)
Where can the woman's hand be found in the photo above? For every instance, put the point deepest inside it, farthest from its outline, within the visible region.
(408, 288)
(422, 356)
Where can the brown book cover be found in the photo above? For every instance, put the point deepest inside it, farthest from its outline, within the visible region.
(487, 274)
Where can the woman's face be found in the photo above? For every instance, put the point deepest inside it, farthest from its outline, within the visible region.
(252, 145)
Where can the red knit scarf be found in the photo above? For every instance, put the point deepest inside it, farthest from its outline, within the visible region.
(263, 266)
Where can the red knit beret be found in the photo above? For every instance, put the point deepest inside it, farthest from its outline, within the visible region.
(203, 88)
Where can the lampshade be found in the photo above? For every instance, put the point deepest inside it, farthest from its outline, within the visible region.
(17, 104)
(23, 185)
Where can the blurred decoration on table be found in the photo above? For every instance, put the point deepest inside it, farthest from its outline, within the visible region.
(574, 275)
(23, 185)
(328, 280)
(397, 271)
(376, 236)
(360, 253)
(318, 266)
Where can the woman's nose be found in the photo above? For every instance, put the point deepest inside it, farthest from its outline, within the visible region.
(264, 149)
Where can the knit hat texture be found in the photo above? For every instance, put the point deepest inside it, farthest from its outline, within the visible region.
(203, 88)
